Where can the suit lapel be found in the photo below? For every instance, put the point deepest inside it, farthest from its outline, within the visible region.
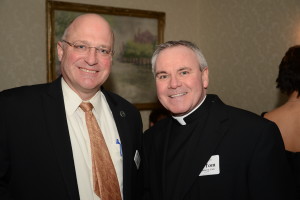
(57, 129)
(123, 120)
(203, 145)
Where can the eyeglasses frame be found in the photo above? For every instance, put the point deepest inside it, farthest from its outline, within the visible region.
(111, 52)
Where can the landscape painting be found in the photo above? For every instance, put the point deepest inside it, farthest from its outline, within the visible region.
(136, 33)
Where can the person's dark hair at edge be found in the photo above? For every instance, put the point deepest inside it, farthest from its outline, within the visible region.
(157, 113)
(288, 79)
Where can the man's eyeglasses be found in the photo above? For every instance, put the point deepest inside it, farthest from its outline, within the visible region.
(83, 48)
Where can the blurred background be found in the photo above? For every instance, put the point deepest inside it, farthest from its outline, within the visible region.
(243, 42)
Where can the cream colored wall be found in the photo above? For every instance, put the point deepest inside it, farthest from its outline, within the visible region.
(243, 42)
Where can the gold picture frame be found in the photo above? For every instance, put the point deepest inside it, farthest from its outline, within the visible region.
(137, 32)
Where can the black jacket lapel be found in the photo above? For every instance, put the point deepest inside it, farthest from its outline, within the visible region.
(57, 129)
(126, 122)
(121, 119)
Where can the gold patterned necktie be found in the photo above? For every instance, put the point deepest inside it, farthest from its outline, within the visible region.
(105, 180)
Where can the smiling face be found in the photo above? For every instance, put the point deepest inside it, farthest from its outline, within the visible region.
(85, 73)
(180, 84)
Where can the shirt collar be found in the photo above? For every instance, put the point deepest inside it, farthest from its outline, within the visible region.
(181, 120)
(96, 101)
(72, 100)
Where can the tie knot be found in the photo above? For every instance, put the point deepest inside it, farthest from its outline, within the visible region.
(86, 106)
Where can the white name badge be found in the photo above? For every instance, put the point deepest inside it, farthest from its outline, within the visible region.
(212, 167)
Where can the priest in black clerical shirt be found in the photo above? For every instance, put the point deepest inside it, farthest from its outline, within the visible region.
(206, 149)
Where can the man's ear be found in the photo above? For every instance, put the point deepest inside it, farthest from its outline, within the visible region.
(60, 50)
(205, 78)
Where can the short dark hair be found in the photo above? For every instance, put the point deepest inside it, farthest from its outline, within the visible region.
(288, 79)
(157, 113)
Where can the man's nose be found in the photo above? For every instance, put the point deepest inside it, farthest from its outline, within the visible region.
(91, 57)
(174, 82)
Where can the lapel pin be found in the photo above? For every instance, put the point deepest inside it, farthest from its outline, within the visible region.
(122, 113)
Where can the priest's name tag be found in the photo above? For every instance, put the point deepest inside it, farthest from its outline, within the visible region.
(212, 167)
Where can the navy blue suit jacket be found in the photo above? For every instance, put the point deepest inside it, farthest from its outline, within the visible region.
(36, 160)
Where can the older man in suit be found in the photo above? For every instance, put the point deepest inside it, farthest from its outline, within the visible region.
(46, 148)
(206, 149)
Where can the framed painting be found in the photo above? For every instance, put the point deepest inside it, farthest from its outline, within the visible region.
(137, 32)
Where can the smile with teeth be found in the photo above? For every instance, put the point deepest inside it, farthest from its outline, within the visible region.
(89, 71)
(178, 95)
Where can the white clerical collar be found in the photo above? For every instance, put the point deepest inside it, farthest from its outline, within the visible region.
(180, 119)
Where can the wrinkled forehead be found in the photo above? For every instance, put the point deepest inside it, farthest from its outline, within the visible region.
(176, 54)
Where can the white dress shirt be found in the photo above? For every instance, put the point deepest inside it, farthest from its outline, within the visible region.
(80, 140)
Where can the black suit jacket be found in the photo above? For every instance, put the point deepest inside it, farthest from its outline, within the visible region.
(251, 158)
(36, 160)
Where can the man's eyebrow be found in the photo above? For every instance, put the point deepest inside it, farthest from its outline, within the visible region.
(104, 46)
(81, 41)
(88, 43)
(184, 68)
(160, 72)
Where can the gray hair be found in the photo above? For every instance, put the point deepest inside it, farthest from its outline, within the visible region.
(169, 44)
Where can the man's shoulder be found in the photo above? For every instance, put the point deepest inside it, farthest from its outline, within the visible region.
(239, 115)
(219, 105)
(23, 91)
(245, 115)
(243, 124)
